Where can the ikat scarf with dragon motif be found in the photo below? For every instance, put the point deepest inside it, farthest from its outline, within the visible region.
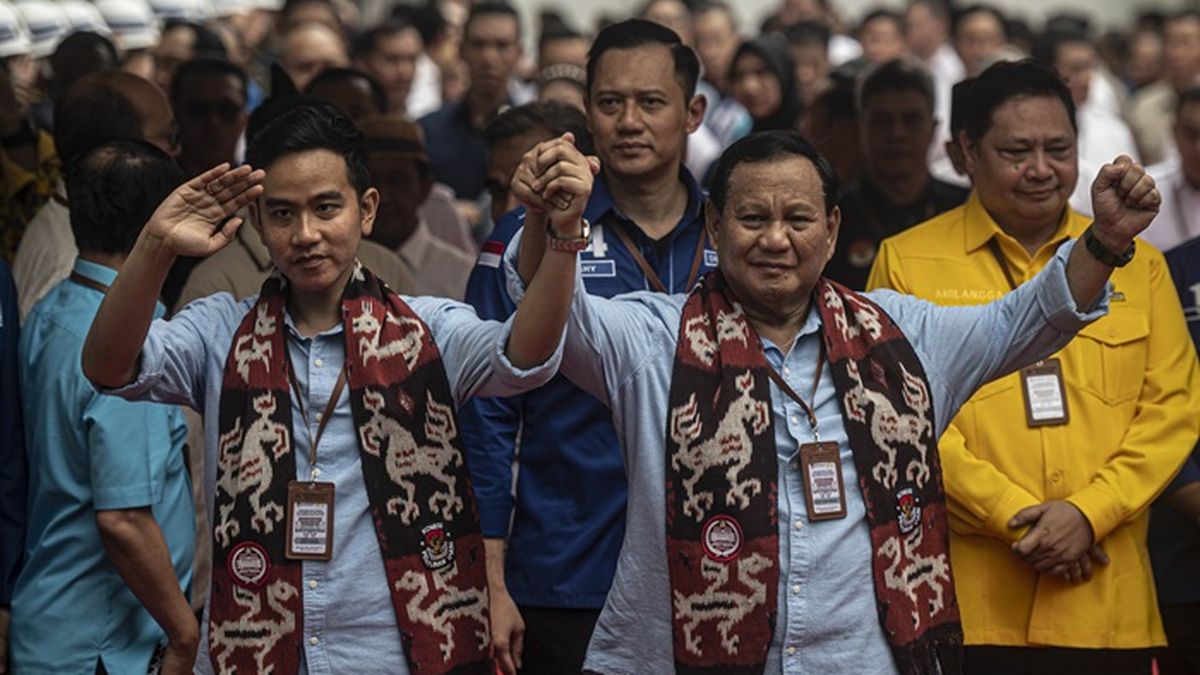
(416, 478)
(722, 485)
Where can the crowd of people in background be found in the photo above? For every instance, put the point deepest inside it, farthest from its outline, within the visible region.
(964, 145)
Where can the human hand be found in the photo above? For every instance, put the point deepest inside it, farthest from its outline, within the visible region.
(508, 631)
(1059, 534)
(1124, 201)
(197, 219)
(1080, 570)
(556, 178)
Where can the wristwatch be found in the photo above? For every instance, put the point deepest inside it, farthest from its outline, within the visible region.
(1101, 252)
(571, 244)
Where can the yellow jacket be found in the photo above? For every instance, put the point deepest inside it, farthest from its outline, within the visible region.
(1133, 399)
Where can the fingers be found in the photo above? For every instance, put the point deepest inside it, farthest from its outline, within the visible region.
(1027, 516)
(1143, 194)
(594, 164)
(201, 181)
(1085, 567)
(518, 647)
(224, 235)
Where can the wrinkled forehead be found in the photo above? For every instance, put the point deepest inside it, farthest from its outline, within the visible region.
(789, 180)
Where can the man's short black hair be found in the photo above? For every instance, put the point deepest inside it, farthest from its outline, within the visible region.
(557, 33)
(555, 117)
(66, 62)
(900, 74)
(91, 112)
(115, 188)
(808, 33)
(957, 18)
(207, 44)
(769, 146)
(959, 103)
(205, 66)
(1008, 80)
(305, 125)
(633, 33)
(492, 8)
(1189, 96)
(367, 42)
(336, 75)
(1045, 49)
(885, 14)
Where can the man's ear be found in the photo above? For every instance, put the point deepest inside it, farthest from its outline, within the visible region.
(712, 221)
(833, 223)
(695, 112)
(970, 153)
(254, 208)
(369, 204)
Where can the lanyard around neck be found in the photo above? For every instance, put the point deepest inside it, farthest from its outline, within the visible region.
(994, 247)
(651, 275)
(809, 409)
(329, 408)
(90, 283)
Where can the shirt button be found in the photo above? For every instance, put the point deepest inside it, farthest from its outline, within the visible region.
(799, 524)
(318, 362)
(787, 370)
(312, 583)
(319, 416)
(795, 420)
(1056, 477)
(315, 472)
(791, 651)
(314, 641)
(796, 589)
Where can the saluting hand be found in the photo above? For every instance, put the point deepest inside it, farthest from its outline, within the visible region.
(1124, 202)
(197, 219)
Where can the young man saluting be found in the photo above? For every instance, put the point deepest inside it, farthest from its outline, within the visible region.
(345, 529)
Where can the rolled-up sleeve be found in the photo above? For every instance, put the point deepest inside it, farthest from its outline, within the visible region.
(172, 364)
(473, 351)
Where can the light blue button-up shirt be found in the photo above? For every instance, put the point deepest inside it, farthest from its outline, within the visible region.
(349, 625)
(89, 453)
(622, 350)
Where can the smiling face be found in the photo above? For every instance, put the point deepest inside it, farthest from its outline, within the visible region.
(311, 219)
(773, 237)
(1025, 167)
(638, 113)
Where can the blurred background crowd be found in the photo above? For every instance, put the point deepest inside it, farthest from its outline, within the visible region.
(451, 93)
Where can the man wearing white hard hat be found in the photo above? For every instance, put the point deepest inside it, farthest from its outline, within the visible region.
(47, 25)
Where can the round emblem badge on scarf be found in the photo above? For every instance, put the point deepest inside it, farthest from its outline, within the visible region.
(248, 563)
(722, 538)
(437, 549)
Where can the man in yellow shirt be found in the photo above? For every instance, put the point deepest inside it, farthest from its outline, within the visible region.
(1049, 471)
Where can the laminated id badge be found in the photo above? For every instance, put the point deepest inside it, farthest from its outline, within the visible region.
(824, 490)
(1045, 395)
(309, 521)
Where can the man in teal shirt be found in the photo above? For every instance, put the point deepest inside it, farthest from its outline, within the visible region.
(111, 529)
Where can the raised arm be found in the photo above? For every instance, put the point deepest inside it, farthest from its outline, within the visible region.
(197, 219)
(1124, 201)
(553, 181)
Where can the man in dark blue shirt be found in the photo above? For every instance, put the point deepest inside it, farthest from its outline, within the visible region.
(1174, 537)
(647, 216)
(491, 48)
(13, 473)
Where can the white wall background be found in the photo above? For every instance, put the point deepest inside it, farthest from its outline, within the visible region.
(1105, 13)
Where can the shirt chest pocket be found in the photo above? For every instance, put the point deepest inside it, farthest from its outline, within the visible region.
(1108, 358)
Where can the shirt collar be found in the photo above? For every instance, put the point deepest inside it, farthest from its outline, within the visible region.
(104, 275)
(980, 227)
(811, 326)
(601, 201)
